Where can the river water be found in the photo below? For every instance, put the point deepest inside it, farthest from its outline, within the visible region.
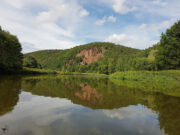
(82, 105)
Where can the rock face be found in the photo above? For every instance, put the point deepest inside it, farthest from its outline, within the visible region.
(89, 94)
(91, 55)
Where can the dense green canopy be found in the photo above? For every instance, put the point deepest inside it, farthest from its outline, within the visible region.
(98, 57)
(168, 55)
(31, 62)
(115, 58)
(10, 52)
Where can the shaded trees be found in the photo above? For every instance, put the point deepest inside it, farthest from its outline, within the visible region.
(163, 55)
(31, 62)
(10, 52)
(168, 55)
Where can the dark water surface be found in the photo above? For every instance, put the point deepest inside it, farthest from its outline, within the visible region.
(75, 105)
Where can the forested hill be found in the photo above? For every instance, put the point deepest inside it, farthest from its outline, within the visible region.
(98, 57)
(107, 58)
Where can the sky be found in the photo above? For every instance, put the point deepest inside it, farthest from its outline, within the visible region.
(63, 24)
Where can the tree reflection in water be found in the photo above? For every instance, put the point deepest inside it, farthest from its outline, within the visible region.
(111, 100)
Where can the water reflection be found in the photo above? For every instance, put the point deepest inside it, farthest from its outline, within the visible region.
(89, 94)
(72, 105)
(168, 109)
(9, 93)
(96, 93)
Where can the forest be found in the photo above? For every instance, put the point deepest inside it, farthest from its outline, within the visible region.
(96, 57)
(161, 56)
(11, 58)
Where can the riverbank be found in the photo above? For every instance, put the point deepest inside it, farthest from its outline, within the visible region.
(167, 82)
(32, 71)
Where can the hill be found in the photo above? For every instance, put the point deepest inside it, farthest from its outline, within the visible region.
(98, 57)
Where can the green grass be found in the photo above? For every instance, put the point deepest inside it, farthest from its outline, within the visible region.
(167, 82)
(49, 71)
(32, 71)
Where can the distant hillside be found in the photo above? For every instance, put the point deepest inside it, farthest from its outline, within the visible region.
(98, 57)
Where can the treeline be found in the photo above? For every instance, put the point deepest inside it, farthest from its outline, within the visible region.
(162, 56)
(58, 59)
(116, 58)
(168, 54)
(11, 58)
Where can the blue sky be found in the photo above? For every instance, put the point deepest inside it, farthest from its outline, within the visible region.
(62, 24)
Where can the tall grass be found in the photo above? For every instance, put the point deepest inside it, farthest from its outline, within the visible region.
(167, 81)
(49, 71)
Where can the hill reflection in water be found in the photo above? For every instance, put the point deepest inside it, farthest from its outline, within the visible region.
(84, 105)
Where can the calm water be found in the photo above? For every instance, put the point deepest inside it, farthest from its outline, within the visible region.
(72, 105)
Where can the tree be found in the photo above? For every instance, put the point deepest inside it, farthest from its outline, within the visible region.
(168, 55)
(30, 62)
(10, 52)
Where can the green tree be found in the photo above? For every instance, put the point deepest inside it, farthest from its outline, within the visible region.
(168, 55)
(30, 62)
(10, 52)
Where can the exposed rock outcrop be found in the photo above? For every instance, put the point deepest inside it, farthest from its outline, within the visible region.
(89, 56)
(89, 94)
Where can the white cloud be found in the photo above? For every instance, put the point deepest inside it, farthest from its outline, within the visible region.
(119, 39)
(142, 26)
(101, 21)
(166, 8)
(63, 24)
(84, 13)
(105, 19)
(120, 6)
(28, 47)
(142, 36)
(38, 119)
(67, 12)
(155, 28)
(51, 26)
(159, 3)
(130, 41)
(45, 17)
(161, 26)
(129, 112)
(111, 19)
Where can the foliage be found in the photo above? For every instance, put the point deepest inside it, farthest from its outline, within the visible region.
(95, 93)
(168, 55)
(102, 93)
(10, 88)
(32, 71)
(98, 93)
(161, 81)
(10, 52)
(163, 55)
(31, 62)
(116, 58)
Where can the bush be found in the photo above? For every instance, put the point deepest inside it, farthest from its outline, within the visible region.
(31, 62)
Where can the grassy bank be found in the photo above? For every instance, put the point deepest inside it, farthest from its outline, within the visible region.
(167, 82)
(32, 71)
